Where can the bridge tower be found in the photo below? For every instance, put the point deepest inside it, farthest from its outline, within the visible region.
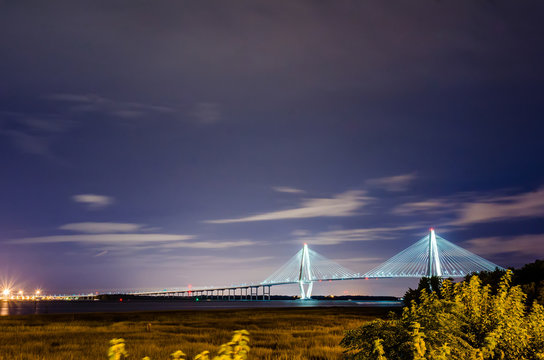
(434, 268)
(307, 267)
(305, 274)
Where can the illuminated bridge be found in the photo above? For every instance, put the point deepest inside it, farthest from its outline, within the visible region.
(432, 255)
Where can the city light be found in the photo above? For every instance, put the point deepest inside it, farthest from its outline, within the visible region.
(8, 294)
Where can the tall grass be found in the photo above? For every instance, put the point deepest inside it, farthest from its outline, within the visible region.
(310, 334)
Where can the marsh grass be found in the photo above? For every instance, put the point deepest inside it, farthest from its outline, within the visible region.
(312, 334)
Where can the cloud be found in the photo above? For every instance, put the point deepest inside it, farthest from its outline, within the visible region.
(287, 189)
(29, 143)
(474, 208)
(111, 239)
(207, 112)
(300, 232)
(97, 103)
(436, 206)
(212, 244)
(93, 201)
(33, 134)
(207, 259)
(344, 204)
(393, 183)
(527, 245)
(525, 205)
(336, 237)
(101, 227)
(47, 124)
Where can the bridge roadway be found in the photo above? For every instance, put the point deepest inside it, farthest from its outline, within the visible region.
(235, 292)
(243, 292)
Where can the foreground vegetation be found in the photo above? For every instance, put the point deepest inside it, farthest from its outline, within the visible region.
(459, 321)
(236, 349)
(289, 334)
(530, 277)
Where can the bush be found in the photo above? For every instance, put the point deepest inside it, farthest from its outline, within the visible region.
(236, 349)
(531, 279)
(432, 284)
(469, 322)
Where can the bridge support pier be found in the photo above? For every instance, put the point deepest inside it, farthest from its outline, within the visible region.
(305, 294)
(254, 292)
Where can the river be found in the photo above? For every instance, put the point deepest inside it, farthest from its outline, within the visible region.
(70, 307)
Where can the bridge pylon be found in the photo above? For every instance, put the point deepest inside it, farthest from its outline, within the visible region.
(305, 275)
(434, 268)
(307, 267)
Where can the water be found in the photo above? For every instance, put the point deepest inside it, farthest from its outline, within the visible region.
(69, 307)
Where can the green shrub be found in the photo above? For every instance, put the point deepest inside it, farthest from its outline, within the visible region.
(468, 322)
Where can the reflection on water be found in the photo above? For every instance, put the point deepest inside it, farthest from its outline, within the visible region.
(4, 309)
(58, 307)
(19, 308)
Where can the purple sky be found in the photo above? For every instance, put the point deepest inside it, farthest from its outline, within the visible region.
(152, 144)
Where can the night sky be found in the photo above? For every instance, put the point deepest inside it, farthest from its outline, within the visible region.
(151, 144)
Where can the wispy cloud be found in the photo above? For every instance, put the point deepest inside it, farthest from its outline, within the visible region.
(111, 239)
(345, 204)
(29, 143)
(207, 112)
(336, 237)
(434, 206)
(101, 227)
(211, 244)
(33, 134)
(50, 124)
(95, 235)
(472, 208)
(524, 205)
(93, 201)
(287, 189)
(208, 259)
(393, 183)
(301, 232)
(97, 103)
(525, 245)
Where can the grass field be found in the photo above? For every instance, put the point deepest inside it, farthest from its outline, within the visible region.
(307, 333)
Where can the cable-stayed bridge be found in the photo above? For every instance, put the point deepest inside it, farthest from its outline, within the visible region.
(432, 255)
